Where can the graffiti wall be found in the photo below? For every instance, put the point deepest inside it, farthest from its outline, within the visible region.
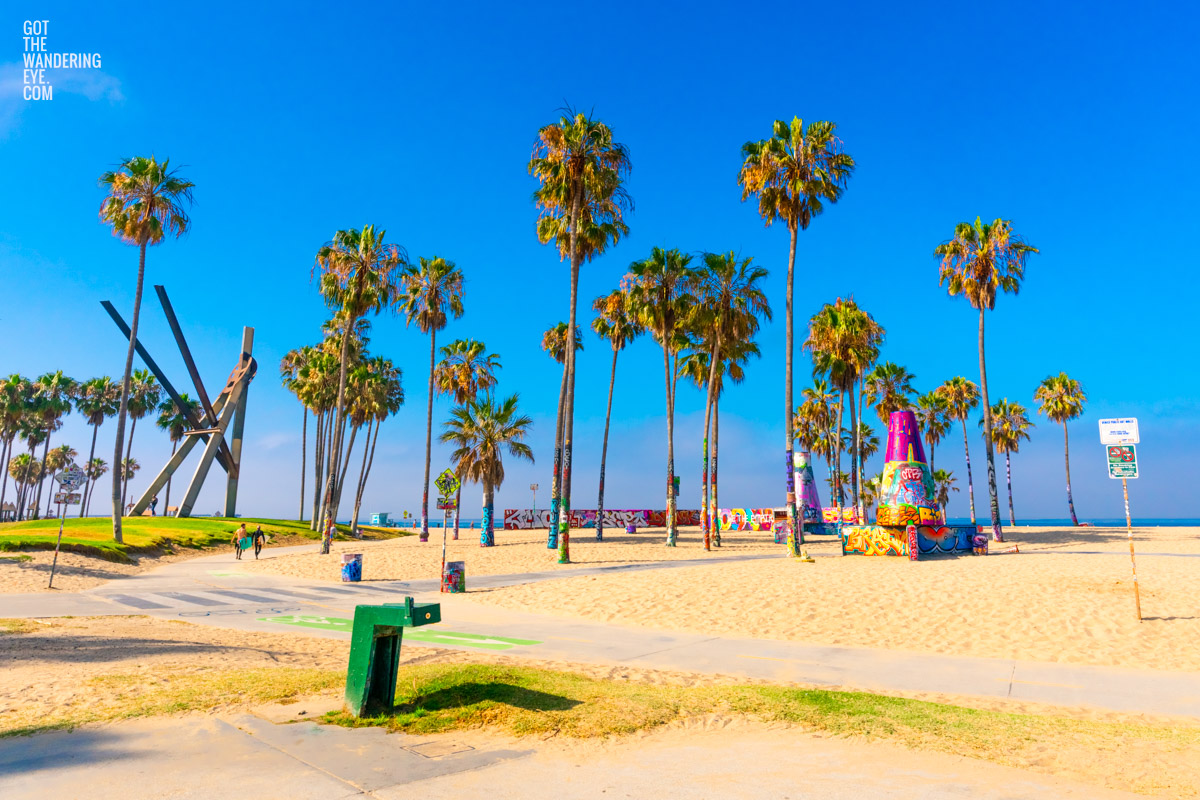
(517, 519)
(848, 515)
(745, 519)
(908, 515)
(874, 540)
(945, 539)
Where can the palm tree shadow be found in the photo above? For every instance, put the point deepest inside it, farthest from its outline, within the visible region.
(469, 694)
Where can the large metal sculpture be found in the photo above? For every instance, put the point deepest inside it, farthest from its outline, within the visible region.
(210, 424)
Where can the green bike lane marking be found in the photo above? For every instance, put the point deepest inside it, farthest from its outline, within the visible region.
(423, 635)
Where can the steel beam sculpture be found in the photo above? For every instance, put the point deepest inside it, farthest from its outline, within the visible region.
(209, 425)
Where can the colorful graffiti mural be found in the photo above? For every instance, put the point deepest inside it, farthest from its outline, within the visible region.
(519, 519)
(830, 515)
(745, 519)
(874, 540)
(944, 539)
(809, 501)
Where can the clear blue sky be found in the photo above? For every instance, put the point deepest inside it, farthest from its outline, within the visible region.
(1073, 120)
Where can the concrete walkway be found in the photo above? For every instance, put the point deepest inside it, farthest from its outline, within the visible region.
(247, 756)
(213, 591)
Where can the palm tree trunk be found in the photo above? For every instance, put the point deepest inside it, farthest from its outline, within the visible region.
(45, 474)
(339, 422)
(5, 448)
(705, 522)
(487, 538)
(341, 480)
(303, 461)
(796, 537)
(837, 476)
(87, 488)
(564, 539)
(671, 531)
(1012, 515)
(457, 507)
(25, 481)
(367, 474)
(167, 504)
(328, 464)
(716, 439)
(428, 439)
(555, 487)
(362, 475)
(993, 495)
(862, 473)
(318, 462)
(123, 409)
(970, 485)
(128, 450)
(612, 381)
(1067, 456)
(855, 456)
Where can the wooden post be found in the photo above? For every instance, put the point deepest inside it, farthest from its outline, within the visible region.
(1137, 596)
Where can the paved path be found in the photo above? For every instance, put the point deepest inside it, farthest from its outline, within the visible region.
(212, 590)
(247, 756)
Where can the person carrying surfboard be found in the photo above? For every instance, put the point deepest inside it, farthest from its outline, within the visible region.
(239, 541)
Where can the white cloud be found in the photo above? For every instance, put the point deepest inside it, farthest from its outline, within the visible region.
(94, 85)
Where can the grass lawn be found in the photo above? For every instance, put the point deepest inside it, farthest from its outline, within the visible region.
(93, 536)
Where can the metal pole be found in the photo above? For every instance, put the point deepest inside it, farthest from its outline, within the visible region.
(54, 565)
(1137, 596)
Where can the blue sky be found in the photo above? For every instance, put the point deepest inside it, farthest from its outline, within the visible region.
(1072, 120)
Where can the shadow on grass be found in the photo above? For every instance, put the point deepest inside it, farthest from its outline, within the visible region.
(473, 694)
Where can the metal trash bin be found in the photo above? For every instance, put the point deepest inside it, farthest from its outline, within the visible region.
(631, 528)
(454, 577)
(351, 567)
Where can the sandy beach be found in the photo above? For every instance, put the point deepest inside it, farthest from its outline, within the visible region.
(29, 570)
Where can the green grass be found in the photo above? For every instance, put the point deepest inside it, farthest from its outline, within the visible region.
(21, 558)
(93, 536)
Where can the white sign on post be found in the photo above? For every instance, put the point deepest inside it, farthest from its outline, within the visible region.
(1123, 430)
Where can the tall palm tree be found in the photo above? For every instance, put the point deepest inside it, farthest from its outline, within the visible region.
(943, 482)
(34, 432)
(979, 261)
(384, 400)
(129, 467)
(144, 394)
(98, 399)
(55, 461)
(466, 369)
(961, 396)
(890, 385)
(815, 419)
(582, 201)
(864, 445)
(1061, 398)
(15, 393)
(482, 430)
(176, 421)
(24, 469)
(146, 202)
(94, 471)
(660, 293)
(432, 292)
(933, 418)
(1010, 424)
(844, 340)
(360, 275)
(616, 324)
(794, 174)
(55, 392)
(732, 303)
(554, 342)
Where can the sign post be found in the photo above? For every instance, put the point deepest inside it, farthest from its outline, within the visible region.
(68, 480)
(533, 488)
(447, 483)
(1120, 437)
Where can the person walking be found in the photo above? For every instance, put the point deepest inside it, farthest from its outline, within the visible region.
(260, 539)
(238, 536)
(153, 506)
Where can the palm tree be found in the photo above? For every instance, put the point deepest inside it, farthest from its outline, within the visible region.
(615, 323)
(871, 489)
(94, 471)
(582, 200)
(55, 392)
(24, 469)
(146, 201)
(1061, 398)
(660, 293)
(481, 431)
(1010, 424)
(554, 342)
(34, 432)
(864, 445)
(360, 275)
(432, 292)
(794, 174)
(933, 418)
(977, 262)
(98, 399)
(961, 396)
(144, 394)
(465, 370)
(731, 304)
(55, 461)
(844, 340)
(890, 385)
(128, 468)
(176, 421)
(385, 396)
(814, 421)
(15, 392)
(943, 482)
